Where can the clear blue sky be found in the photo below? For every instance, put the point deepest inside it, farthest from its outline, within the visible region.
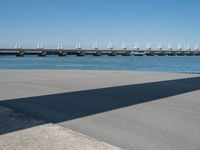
(66, 21)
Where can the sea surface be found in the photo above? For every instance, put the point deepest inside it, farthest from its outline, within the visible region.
(183, 64)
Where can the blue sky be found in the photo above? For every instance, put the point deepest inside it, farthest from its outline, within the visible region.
(66, 21)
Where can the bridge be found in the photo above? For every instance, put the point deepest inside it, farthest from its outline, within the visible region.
(97, 52)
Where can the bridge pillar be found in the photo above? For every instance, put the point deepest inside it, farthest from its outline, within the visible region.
(20, 53)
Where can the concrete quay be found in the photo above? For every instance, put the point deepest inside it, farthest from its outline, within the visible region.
(37, 134)
(129, 110)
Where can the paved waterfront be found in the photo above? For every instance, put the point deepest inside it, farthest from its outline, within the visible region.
(131, 110)
(36, 134)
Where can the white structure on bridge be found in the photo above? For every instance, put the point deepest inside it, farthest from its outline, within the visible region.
(110, 46)
(149, 46)
(95, 46)
(169, 47)
(136, 47)
(124, 46)
(196, 47)
(78, 45)
(18, 46)
(39, 46)
(60, 46)
(180, 47)
(159, 47)
(188, 47)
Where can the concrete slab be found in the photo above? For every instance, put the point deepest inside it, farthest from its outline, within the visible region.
(34, 133)
(171, 123)
(26, 83)
(131, 110)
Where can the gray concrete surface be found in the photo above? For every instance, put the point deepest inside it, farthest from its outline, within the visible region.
(131, 110)
(11, 120)
(35, 134)
(22, 83)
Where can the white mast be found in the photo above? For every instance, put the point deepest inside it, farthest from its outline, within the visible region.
(159, 46)
(78, 45)
(179, 46)
(58, 47)
(61, 46)
(110, 46)
(148, 46)
(95, 45)
(185, 46)
(188, 47)
(136, 46)
(196, 47)
(19, 46)
(169, 46)
(41, 45)
(16, 46)
(38, 45)
(124, 46)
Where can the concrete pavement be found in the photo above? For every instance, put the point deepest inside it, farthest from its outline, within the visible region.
(36, 134)
(131, 110)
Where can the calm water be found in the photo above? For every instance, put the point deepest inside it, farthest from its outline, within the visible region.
(144, 63)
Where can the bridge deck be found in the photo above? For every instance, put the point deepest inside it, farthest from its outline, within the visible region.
(82, 52)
